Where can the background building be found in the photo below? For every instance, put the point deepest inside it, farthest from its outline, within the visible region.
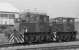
(8, 15)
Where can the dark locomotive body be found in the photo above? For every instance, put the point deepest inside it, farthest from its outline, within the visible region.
(64, 27)
(38, 29)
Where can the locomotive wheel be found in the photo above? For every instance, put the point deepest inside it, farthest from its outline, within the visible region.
(73, 37)
(65, 38)
(37, 39)
(29, 40)
(45, 38)
(48, 38)
(41, 38)
(59, 38)
(26, 39)
(34, 39)
(68, 38)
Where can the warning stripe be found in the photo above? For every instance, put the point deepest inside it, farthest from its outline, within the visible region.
(11, 40)
(16, 37)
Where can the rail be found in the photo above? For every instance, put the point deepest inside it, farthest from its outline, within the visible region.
(65, 45)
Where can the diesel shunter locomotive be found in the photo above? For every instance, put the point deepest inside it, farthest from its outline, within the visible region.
(38, 28)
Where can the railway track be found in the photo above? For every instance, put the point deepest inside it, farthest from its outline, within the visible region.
(65, 45)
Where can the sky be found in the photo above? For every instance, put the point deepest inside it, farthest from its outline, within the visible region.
(54, 8)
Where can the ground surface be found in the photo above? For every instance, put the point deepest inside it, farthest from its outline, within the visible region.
(50, 46)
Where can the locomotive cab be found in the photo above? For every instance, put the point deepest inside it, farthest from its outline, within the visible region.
(65, 29)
